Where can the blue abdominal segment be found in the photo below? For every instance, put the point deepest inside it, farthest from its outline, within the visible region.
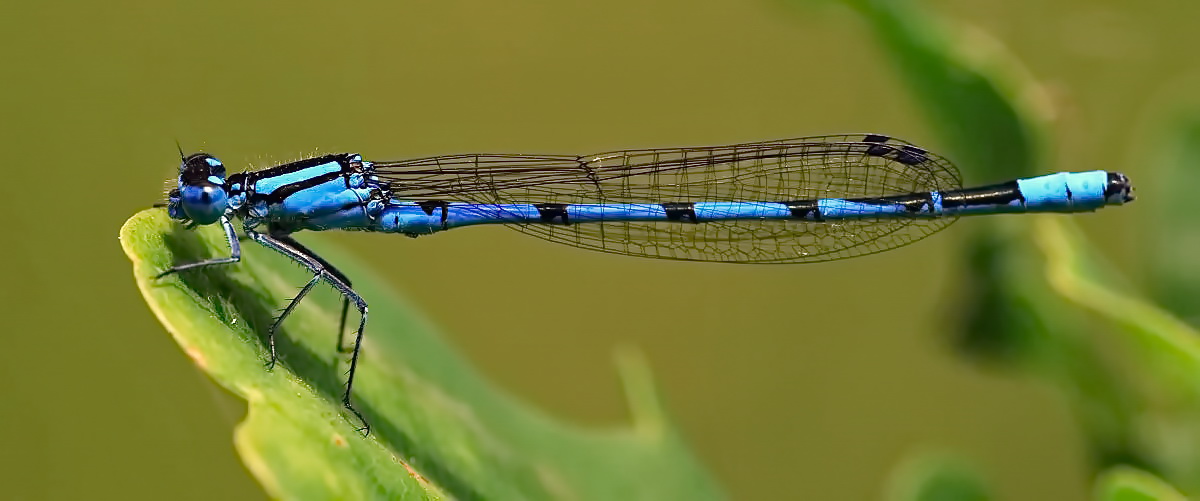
(1061, 192)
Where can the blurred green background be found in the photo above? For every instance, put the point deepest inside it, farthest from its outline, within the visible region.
(789, 381)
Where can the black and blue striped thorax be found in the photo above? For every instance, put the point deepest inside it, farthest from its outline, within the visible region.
(327, 192)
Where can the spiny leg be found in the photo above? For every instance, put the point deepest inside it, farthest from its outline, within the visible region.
(306, 259)
(362, 324)
(283, 244)
(287, 239)
(341, 348)
(284, 314)
(235, 252)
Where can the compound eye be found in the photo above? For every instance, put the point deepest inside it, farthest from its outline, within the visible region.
(203, 203)
(199, 167)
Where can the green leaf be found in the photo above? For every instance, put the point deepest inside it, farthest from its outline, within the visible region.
(439, 430)
(1128, 484)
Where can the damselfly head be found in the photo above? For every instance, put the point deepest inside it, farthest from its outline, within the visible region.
(1119, 190)
(201, 195)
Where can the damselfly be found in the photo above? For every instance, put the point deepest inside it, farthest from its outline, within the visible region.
(791, 201)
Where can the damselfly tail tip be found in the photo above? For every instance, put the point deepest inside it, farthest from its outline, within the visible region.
(1119, 189)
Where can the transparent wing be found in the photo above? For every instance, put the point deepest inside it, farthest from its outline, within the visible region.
(848, 166)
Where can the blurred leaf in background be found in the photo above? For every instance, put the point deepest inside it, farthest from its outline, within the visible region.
(1149, 364)
(1050, 304)
(925, 476)
(1129, 484)
(1174, 238)
(986, 107)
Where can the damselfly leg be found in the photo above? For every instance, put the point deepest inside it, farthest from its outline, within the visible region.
(235, 253)
(288, 246)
